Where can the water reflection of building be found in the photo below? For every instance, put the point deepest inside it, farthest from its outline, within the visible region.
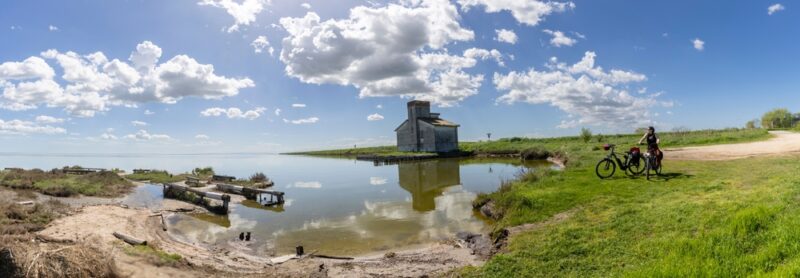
(425, 180)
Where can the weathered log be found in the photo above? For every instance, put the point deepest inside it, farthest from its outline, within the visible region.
(23, 203)
(44, 238)
(331, 257)
(129, 239)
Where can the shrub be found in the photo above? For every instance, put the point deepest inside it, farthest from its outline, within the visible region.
(207, 171)
(777, 118)
(586, 135)
(258, 177)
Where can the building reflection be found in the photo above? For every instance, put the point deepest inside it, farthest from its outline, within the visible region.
(426, 180)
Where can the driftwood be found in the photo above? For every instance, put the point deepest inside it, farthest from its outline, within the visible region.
(331, 257)
(25, 203)
(163, 223)
(129, 239)
(44, 238)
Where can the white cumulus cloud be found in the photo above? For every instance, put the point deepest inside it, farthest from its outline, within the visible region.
(234, 113)
(395, 50)
(243, 13)
(559, 39)
(260, 44)
(375, 117)
(298, 105)
(144, 135)
(92, 83)
(306, 5)
(589, 94)
(19, 127)
(698, 44)
(529, 12)
(48, 119)
(52, 28)
(138, 123)
(202, 137)
(775, 8)
(506, 36)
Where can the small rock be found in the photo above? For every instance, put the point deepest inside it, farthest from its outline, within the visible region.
(390, 255)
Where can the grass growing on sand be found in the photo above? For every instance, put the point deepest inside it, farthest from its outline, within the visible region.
(719, 218)
(153, 255)
(157, 176)
(56, 183)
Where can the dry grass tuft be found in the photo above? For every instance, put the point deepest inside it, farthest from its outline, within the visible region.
(23, 257)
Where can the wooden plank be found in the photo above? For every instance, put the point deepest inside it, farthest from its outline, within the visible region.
(129, 239)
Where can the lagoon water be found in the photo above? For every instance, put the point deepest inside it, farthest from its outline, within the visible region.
(335, 206)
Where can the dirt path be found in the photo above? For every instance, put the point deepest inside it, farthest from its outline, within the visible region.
(783, 142)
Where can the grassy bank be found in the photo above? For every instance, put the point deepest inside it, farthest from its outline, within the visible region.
(721, 219)
(157, 176)
(572, 145)
(56, 183)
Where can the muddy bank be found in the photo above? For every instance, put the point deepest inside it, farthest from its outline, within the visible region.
(96, 223)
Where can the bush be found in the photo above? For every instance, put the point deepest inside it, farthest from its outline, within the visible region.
(777, 118)
(258, 177)
(207, 171)
(586, 135)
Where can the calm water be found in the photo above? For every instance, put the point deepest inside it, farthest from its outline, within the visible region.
(335, 206)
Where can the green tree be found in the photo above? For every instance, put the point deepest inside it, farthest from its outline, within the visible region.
(586, 135)
(777, 118)
(750, 124)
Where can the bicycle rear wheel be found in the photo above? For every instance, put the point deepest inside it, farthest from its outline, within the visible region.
(605, 168)
(636, 166)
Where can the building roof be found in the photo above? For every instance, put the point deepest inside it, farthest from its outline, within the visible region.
(438, 122)
(432, 121)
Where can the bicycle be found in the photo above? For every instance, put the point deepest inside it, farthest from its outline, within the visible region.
(631, 162)
(651, 163)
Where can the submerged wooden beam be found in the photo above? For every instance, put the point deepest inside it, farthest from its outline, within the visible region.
(252, 193)
(180, 189)
(129, 239)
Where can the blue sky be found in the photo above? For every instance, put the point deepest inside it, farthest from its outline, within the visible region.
(611, 66)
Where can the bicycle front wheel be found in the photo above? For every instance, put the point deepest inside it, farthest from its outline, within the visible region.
(605, 168)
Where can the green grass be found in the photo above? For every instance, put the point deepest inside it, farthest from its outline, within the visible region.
(153, 255)
(351, 152)
(104, 184)
(701, 219)
(157, 177)
(573, 145)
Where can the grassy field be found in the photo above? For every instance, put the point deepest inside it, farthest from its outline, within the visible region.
(574, 145)
(157, 177)
(700, 219)
(104, 184)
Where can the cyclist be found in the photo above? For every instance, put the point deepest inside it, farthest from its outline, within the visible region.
(652, 143)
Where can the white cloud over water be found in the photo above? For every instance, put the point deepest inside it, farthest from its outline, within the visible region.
(20, 127)
(589, 94)
(91, 83)
(395, 50)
